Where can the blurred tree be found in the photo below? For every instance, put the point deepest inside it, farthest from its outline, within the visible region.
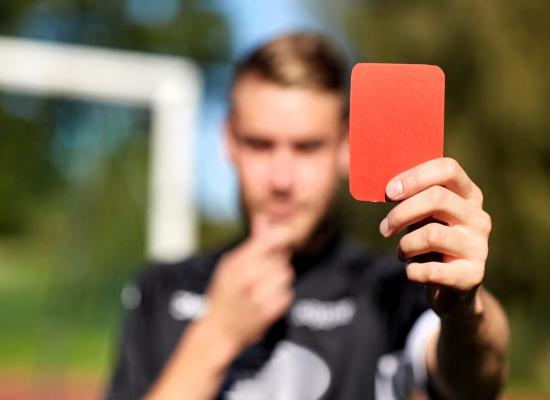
(495, 56)
(73, 190)
(89, 236)
(27, 174)
(192, 31)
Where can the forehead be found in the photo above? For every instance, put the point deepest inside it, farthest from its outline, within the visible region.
(264, 107)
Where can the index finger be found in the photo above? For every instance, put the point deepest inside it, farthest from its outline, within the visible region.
(270, 236)
(441, 171)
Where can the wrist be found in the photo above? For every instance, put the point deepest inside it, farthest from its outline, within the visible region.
(221, 349)
(456, 306)
(199, 364)
(467, 321)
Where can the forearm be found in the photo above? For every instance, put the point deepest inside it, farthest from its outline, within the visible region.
(197, 368)
(468, 357)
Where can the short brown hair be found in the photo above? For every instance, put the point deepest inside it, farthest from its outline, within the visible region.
(303, 59)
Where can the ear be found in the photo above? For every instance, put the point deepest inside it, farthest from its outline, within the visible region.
(229, 142)
(343, 153)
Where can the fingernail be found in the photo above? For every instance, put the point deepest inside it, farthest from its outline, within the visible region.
(395, 189)
(385, 227)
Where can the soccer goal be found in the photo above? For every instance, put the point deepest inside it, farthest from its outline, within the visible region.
(169, 86)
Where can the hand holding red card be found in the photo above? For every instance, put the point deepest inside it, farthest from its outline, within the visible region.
(396, 123)
(396, 145)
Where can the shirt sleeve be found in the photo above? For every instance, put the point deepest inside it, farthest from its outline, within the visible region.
(410, 324)
(416, 345)
(135, 370)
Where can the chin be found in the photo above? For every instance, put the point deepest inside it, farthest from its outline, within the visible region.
(302, 237)
(300, 233)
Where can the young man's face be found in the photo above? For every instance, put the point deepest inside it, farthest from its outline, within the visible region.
(289, 148)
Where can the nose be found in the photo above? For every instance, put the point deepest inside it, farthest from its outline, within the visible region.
(282, 166)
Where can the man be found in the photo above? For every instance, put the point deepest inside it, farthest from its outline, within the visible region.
(295, 310)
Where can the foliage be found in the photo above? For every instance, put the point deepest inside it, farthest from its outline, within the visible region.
(495, 56)
(73, 190)
(71, 234)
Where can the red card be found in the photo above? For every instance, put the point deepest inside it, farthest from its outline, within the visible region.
(396, 122)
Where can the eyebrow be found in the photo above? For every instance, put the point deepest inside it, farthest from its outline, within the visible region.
(308, 137)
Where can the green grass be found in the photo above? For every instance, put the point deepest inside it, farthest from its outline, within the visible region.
(48, 326)
(67, 321)
(39, 337)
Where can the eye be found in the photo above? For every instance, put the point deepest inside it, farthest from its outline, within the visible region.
(256, 143)
(309, 146)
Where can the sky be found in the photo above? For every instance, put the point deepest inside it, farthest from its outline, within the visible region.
(251, 23)
(85, 136)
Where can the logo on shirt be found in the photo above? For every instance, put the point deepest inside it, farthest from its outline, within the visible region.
(322, 315)
(292, 373)
(187, 305)
(311, 313)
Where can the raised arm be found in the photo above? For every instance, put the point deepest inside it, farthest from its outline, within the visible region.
(467, 358)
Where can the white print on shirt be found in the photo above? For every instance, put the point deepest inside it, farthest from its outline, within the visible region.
(292, 373)
(398, 373)
(130, 297)
(322, 315)
(311, 313)
(187, 305)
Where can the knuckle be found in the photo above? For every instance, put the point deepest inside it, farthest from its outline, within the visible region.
(451, 167)
(475, 277)
(485, 250)
(482, 250)
(403, 245)
(479, 275)
(411, 272)
(393, 218)
(478, 193)
(436, 195)
(433, 273)
(486, 222)
(438, 274)
(434, 235)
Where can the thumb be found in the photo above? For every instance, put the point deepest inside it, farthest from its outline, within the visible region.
(269, 236)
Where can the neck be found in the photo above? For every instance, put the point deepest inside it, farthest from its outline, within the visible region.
(321, 236)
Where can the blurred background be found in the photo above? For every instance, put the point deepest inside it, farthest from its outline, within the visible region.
(74, 173)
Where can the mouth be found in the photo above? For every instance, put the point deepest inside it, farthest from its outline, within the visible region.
(281, 211)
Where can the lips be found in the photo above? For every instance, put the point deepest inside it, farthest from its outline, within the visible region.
(280, 211)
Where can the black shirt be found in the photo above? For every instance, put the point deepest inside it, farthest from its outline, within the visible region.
(342, 338)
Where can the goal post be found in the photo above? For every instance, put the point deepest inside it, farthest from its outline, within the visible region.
(170, 86)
